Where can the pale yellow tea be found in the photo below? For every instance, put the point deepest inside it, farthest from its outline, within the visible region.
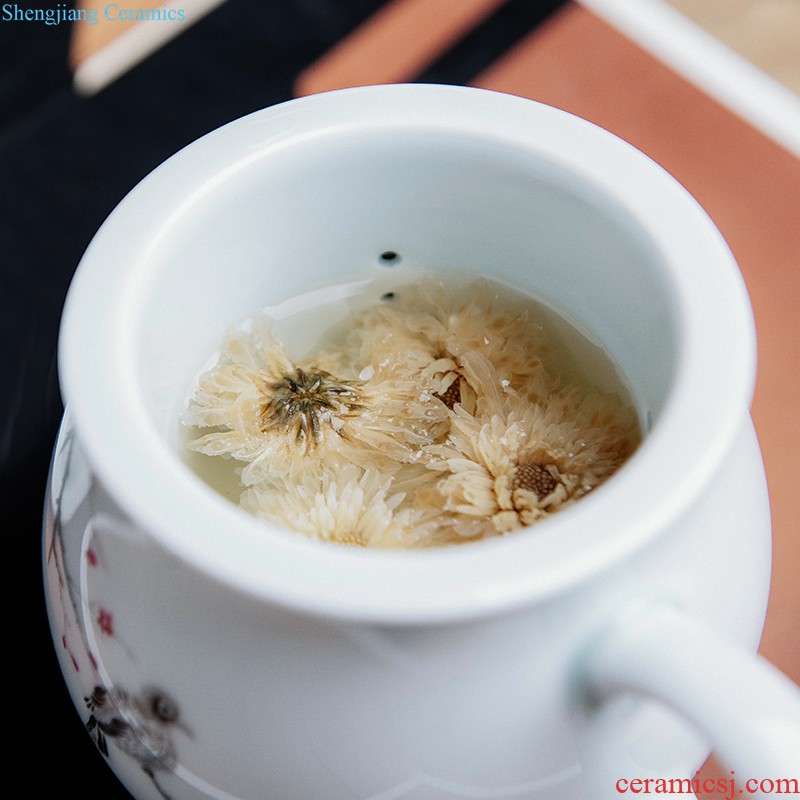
(434, 413)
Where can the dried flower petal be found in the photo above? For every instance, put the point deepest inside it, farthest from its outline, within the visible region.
(347, 505)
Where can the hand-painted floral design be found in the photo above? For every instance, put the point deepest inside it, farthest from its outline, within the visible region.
(139, 725)
(105, 621)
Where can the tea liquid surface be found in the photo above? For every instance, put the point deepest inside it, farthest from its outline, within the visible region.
(343, 319)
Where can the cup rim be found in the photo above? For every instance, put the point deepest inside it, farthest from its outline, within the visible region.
(716, 351)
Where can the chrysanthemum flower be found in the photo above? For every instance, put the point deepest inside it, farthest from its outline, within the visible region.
(516, 462)
(439, 419)
(428, 334)
(345, 505)
(271, 413)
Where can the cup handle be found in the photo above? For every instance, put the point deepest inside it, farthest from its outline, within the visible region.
(746, 707)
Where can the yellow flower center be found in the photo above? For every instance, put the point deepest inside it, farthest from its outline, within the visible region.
(534, 477)
(303, 401)
(452, 394)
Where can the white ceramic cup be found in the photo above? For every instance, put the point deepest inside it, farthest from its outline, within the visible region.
(214, 657)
